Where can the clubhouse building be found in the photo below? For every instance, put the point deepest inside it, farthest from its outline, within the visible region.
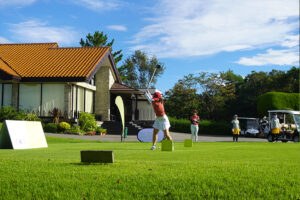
(39, 77)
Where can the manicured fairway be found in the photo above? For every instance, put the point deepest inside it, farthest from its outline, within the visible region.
(222, 170)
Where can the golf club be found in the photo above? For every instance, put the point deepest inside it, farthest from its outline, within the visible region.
(157, 67)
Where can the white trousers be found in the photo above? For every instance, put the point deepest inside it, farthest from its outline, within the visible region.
(194, 131)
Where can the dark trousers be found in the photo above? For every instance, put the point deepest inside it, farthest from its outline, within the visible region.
(275, 136)
(235, 137)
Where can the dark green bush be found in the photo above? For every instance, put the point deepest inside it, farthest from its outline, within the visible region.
(8, 112)
(50, 128)
(87, 121)
(277, 101)
(205, 126)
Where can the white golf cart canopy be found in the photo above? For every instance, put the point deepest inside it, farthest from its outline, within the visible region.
(285, 111)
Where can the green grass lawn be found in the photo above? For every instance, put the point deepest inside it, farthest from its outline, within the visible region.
(221, 170)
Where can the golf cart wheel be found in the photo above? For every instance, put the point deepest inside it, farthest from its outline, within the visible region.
(270, 138)
(296, 138)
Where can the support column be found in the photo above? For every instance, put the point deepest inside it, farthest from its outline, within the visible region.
(104, 81)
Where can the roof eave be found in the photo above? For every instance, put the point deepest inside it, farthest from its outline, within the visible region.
(99, 64)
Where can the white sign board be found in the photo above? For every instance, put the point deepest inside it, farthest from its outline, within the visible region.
(146, 134)
(22, 135)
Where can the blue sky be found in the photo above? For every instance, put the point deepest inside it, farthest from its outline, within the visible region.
(188, 36)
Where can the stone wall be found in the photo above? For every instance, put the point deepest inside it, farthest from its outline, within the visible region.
(104, 81)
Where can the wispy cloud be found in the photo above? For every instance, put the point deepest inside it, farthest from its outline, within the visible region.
(289, 55)
(117, 27)
(4, 3)
(38, 31)
(272, 57)
(99, 5)
(192, 28)
(4, 40)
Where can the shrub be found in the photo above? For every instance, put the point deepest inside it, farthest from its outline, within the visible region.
(8, 112)
(277, 101)
(76, 130)
(50, 128)
(63, 126)
(32, 117)
(100, 130)
(205, 126)
(87, 121)
(0, 126)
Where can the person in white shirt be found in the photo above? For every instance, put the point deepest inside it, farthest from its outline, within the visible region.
(236, 128)
(275, 126)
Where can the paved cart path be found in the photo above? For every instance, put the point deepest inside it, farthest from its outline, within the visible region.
(177, 137)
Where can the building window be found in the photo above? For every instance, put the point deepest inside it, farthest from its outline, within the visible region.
(52, 97)
(92, 81)
(30, 97)
(80, 99)
(6, 94)
(89, 101)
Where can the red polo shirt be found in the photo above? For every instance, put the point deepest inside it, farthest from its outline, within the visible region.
(194, 119)
(158, 107)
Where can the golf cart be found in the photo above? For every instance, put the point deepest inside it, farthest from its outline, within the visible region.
(249, 126)
(289, 121)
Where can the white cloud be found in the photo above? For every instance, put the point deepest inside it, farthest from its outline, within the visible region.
(37, 31)
(288, 56)
(4, 40)
(192, 28)
(273, 57)
(99, 5)
(291, 41)
(4, 3)
(117, 27)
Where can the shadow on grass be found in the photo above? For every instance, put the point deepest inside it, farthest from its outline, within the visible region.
(85, 163)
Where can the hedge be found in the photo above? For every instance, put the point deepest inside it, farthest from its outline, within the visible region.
(205, 126)
(50, 128)
(277, 101)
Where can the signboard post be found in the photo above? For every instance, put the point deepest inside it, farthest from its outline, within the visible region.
(22, 135)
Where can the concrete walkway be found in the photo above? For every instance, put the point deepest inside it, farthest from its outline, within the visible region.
(177, 137)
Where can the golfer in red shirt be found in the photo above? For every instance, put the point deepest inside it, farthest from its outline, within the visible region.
(161, 121)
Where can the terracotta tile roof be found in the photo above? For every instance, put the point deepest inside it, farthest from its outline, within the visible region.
(47, 60)
(8, 71)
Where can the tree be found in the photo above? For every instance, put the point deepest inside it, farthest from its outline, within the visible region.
(210, 93)
(99, 39)
(181, 100)
(138, 69)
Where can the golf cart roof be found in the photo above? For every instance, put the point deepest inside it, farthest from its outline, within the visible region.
(285, 111)
(247, 118)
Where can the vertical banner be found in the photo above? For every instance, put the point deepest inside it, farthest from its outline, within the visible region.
(120, 105)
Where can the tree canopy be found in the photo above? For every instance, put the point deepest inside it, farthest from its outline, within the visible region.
(99, 39)
(218, 96)
(138, 69)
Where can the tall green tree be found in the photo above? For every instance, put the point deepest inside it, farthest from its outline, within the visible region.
(99, 39)
(182, 99)
(138, 69)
